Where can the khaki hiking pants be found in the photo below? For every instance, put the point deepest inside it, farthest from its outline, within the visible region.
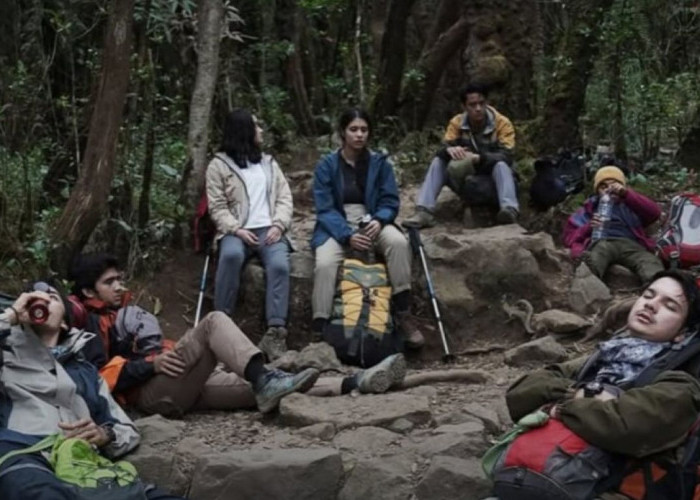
(391, 243)
(203, 386)
(628, 253)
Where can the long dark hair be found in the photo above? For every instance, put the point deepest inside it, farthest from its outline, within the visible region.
(348, 116)
(239, 138)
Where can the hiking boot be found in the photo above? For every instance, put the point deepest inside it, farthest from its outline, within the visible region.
(276, 384)
(410, 331)
(274, 342)
(382, 376)
(421, 218)
(507, 215)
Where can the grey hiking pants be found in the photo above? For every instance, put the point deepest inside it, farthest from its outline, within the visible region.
(233, 253)
(436, 178)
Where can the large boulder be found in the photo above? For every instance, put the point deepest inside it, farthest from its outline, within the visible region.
(536, 353)
(282, 474)
(450, 477)
(388, 478)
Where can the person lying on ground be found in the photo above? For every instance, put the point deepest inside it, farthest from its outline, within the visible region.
(619, 240)
(479, 139)
(251, 205)
(588, 395)
(156, 375)
(47, 387)
(348, 184)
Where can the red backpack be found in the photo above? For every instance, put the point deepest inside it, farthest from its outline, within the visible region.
(679, 243)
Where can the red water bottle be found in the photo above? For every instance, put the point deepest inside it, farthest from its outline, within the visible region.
(38, 310)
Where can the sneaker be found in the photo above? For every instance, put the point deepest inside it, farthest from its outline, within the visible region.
(412, 336)
(382, 376)
(274, 342)
(276, 384)
(421, 218)
(507, 215)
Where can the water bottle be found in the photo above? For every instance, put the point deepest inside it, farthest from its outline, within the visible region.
(605, 206)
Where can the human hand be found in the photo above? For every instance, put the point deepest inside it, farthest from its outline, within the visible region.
(360, 241)
(248, 237)
(457, 152)
(85, 429)
(617, 189)
(170, 363)
(595, 221)
(475, 158)
(273, 235)
(19, 312)
(372, 229)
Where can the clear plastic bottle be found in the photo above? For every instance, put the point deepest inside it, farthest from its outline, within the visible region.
(604, 212)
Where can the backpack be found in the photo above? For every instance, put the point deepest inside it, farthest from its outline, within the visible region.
(92, 476)
(542, 459)
(556, 177)
(361, 328)
(679, 240)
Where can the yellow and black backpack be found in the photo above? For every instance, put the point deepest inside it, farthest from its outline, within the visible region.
(361, 328)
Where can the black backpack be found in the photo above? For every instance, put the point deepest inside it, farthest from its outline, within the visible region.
(556, 177)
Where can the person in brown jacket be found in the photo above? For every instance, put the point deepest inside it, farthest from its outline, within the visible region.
(251, 205)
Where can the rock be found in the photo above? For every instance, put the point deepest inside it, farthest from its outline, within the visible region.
(153, 465)
(536, 353)
(487, 416)
(452, 444)
(366, 440)
(453, 417)
(301, 265)
(319, 355)
(587, 293)
(401, 425)
(558, 321)
(367, 410)
(475, 427)
(291, 474)
(187, 452)
(450, 478)
(287, 361)
(323, 431)
(156, 429)
(388, 478)
(618, 277)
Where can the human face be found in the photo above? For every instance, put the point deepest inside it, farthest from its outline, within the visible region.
(57, 310)
(660, 313)
(606, 185)
(109, 288)
(258, 132)
(475, 106)
(356, 134)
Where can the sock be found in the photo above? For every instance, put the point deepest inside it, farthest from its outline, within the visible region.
(349, 383)
(255, 369)
(318, 324)
(402, 301)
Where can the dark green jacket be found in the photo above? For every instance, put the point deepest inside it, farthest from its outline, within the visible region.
(641, 422)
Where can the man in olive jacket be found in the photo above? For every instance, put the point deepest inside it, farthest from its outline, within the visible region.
(586, 394)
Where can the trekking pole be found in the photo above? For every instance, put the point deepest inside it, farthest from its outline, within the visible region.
(417, 245)
(203, 284)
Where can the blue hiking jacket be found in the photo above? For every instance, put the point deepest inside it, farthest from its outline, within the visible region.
(381, 197)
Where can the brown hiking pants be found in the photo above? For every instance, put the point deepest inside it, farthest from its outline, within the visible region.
(203, 386)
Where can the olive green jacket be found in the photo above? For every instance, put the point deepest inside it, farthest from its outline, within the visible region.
(642, 421)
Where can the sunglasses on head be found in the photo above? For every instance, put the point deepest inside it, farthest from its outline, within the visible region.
(42, 286)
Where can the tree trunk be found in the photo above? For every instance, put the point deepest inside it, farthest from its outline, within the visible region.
(89, 197)
(145, 198)
(392, 59)
(689, 153)
(290, 24)
(210, 14)
(567, 93)
(433, 62)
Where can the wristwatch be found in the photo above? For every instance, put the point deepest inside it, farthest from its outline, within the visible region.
(109, 430)
(592, 389)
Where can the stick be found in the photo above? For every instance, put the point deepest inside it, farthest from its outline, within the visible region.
(481, 350)
(456, 375)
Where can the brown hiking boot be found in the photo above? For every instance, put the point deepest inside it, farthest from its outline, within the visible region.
(274, 342)
(421, 218)
(412, 337)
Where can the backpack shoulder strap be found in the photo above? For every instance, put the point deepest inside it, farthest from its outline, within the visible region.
(42, 445)
(676, 357)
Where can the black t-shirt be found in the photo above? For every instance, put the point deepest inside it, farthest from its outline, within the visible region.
(355, 179)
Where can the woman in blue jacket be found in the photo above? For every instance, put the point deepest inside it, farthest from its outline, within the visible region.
(348, 184)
